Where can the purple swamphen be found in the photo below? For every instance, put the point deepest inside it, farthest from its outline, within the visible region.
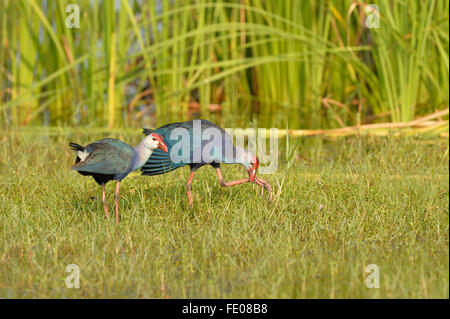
(112, 159)
(161, 163)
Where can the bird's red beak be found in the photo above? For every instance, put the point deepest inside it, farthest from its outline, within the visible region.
(252, 170)
(161, 144)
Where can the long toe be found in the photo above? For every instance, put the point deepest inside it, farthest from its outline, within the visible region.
(263, 185)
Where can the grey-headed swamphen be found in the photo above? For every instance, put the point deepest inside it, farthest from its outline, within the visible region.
(161, 163)
(111, 159)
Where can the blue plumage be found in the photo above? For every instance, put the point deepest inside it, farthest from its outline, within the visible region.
(161, 163)
(112, 159)
(107, 159)
(193, 149)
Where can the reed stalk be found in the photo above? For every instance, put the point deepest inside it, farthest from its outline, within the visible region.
(313, 64)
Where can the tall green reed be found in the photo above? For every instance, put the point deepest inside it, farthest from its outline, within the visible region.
(310, 63)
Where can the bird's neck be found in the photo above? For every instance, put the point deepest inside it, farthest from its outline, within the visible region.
(142, 155)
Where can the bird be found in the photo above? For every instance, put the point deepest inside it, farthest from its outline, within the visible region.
(162, 162)
(111, 159)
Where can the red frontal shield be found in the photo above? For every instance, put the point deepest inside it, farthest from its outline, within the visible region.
(252, 171)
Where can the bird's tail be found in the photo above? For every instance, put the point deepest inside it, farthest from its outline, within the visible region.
(147, 131)
(76, 147)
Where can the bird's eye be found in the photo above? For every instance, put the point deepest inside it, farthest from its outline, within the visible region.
(154, 139)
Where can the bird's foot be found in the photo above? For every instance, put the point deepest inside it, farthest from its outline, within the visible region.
(264, 185)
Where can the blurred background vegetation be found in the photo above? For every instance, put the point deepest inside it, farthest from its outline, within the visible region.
(306, 63)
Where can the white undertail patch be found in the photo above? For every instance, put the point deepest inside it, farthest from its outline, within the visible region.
(82, 155)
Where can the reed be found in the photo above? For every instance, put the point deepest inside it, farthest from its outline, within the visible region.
(313, 64)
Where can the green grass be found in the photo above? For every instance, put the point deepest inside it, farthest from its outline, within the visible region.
(338, 207)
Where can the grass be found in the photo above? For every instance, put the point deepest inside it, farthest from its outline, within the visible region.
(339, 206)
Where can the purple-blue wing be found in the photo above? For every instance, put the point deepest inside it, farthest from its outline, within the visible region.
(108, 156)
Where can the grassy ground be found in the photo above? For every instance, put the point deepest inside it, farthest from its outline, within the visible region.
(338, 207)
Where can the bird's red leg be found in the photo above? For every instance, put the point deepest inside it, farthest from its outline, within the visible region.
(257, 180)
(117, 202)
(232, 183)
(189, 188)
(263, 185)
(105, 203)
